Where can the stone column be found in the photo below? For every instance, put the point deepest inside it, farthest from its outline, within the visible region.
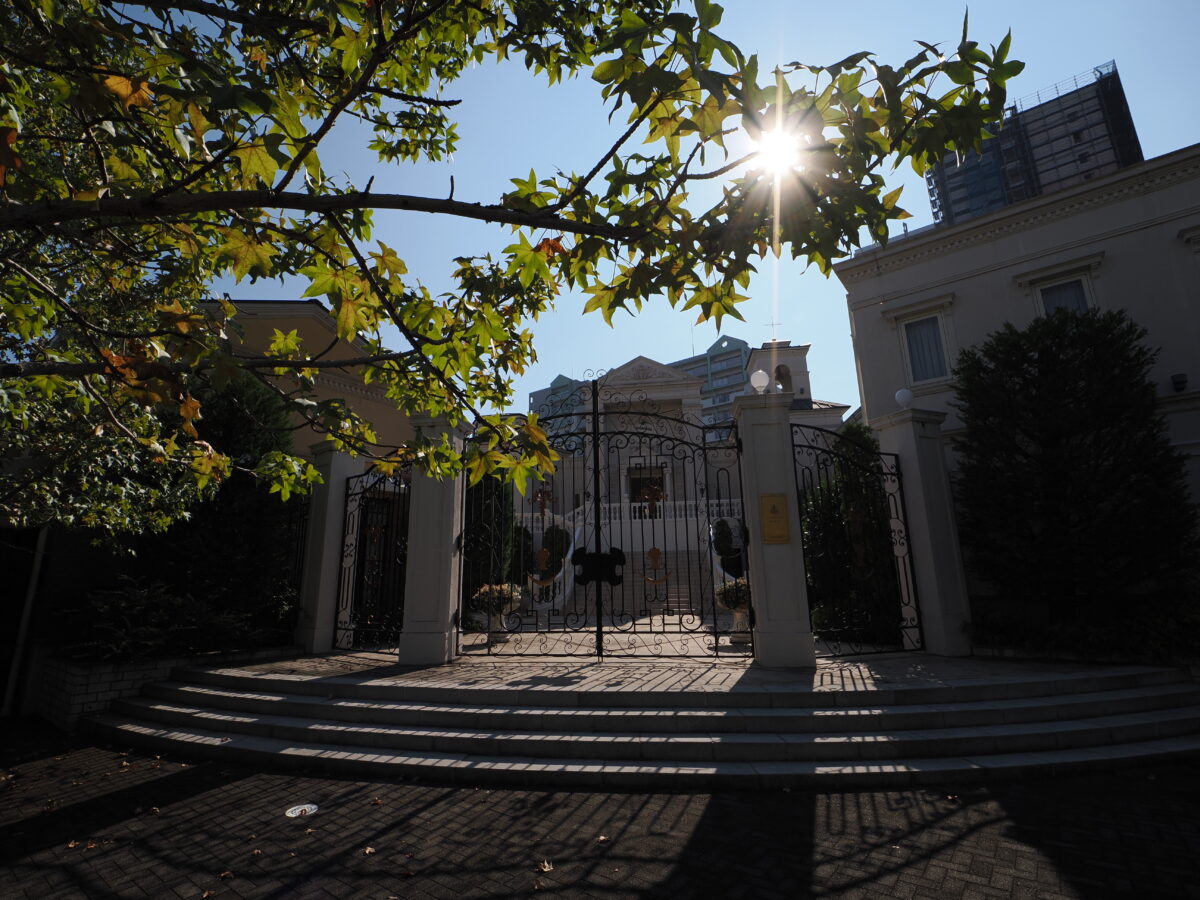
(779, 590)
(429, 635)
(324, 548)
(915, 435)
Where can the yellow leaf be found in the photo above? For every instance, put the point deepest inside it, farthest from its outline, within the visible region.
(257, 164)
(130, 91)
(89, 196)
(189, 410)
(347, 318)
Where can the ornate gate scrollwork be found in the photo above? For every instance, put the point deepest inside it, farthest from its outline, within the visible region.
(583, 559)
(370, 607)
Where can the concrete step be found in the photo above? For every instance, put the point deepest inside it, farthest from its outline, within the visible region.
(554, 742)
(756, 696)
(596, 772)
(672, 720)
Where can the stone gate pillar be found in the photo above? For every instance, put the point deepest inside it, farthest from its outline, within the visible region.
(323, 548)
(778, 588)
(429, 635)
(915, 436)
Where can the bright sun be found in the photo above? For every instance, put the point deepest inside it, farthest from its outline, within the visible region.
(777, 151)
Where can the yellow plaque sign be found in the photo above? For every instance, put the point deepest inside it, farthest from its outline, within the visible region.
(773, 510)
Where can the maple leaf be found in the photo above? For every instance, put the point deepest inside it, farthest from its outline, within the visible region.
(545, 866)
(248, 255)
(550, 247)
(257, 162)
(189, 411)
(130, 91)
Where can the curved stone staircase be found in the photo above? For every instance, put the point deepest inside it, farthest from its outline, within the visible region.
(500, 724)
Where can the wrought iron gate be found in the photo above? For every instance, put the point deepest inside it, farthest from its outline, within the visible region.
(628, 550)
(370, 607)
(861, 592)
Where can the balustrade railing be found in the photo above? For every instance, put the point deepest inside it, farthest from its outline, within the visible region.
(635, 511)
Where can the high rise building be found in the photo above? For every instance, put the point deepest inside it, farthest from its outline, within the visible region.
(1075, 131)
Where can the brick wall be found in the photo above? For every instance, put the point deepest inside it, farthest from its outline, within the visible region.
(60, 691)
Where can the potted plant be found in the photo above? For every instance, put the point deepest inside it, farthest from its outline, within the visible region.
(498, 601)
(734, 595)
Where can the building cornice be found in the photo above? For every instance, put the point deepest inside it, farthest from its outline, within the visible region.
(1135, 181)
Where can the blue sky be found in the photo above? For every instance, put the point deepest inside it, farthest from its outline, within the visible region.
(510, 122)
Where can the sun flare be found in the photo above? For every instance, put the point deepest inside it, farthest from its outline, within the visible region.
(777, 151)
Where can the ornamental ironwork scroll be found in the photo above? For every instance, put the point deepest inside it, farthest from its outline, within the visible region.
(634, 474)
(370, 607)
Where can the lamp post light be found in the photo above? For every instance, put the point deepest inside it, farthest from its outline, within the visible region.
(759, 381)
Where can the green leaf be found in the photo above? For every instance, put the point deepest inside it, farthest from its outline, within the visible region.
(248, 255)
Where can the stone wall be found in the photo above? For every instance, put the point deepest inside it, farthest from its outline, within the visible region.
(62, 690)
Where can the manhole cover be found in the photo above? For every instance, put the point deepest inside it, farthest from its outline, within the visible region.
(305, 809)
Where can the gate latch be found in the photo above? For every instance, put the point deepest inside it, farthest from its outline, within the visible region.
(597, 567)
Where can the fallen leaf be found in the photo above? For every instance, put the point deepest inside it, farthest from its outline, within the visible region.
(256, 853)
(91, 845)
(72, 845)
(209, 893)
(154, 810)
(545, 866)
(602, 839)
(377, 802)
(538, 884)
(226, 874)
(367, 851)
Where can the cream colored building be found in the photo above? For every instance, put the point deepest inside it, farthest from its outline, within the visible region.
(1129, 240)
(315, 326)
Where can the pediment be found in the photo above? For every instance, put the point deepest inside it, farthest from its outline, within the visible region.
(642, 370)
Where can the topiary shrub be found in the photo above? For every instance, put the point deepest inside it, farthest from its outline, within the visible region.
(557, 542)
(729, 552)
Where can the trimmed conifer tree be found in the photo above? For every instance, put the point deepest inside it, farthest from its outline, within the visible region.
(1074, 507)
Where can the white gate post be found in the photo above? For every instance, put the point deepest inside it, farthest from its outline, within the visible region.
(431, 583)
(323, 549)
(915, 436)
(779, 590)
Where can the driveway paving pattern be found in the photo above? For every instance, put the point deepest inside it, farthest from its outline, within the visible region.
(79, 820)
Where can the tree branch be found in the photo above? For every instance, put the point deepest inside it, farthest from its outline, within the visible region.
(259, 19)
(80, 370)
(15, 217)
(410, 98)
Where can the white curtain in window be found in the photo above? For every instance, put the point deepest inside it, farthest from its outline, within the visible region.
(925, 354)
(1069, 296)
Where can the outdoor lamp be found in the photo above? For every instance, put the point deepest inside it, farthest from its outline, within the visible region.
(904, 397)
(759, 381)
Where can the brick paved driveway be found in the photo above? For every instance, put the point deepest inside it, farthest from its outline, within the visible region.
(83, 821)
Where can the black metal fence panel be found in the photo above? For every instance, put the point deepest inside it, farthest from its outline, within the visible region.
(861, 590)
(628, 549)
(370, 607)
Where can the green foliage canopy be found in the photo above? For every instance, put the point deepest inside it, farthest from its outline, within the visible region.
(147, 148)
